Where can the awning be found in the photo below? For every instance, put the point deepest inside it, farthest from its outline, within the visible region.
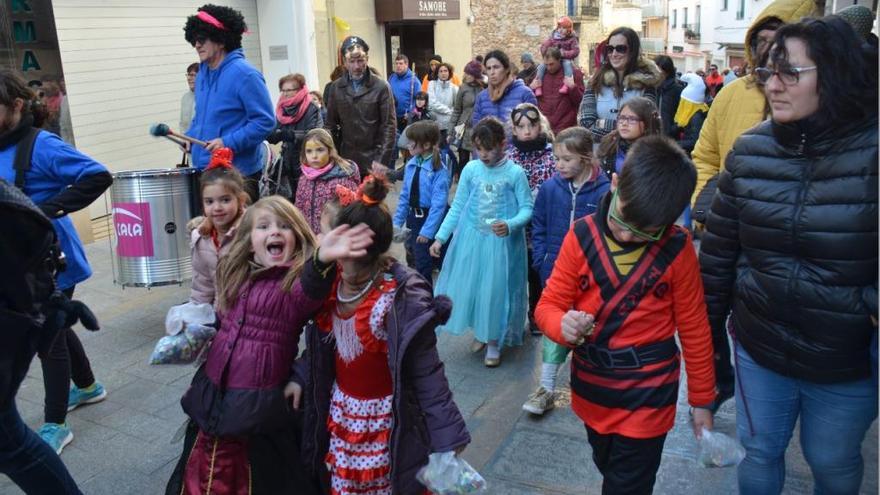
(417, 10)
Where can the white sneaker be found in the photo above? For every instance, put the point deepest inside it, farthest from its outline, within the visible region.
(541, 401)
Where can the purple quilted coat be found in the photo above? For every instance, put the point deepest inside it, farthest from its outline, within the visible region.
(239, 389)
(426, 418)
(311, 194)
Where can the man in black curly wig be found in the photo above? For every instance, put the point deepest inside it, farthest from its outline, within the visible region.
(234, 107)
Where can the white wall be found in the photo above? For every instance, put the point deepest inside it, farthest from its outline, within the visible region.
(291, 24)
(124, 64)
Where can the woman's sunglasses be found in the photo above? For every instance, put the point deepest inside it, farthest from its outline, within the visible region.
(621, 49)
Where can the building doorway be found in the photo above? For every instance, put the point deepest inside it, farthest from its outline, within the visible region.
(415, 39)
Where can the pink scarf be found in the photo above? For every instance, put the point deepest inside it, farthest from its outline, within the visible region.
(302, 97)
(314, 173)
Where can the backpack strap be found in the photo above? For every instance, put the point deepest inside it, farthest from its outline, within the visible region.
(23, 155)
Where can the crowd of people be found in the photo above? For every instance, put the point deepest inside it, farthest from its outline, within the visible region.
(572, 218)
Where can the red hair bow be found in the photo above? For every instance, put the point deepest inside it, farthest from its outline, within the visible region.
(221, 157)
(346, 196)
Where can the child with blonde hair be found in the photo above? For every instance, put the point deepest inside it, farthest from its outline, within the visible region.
(240, 437)
(322, 170)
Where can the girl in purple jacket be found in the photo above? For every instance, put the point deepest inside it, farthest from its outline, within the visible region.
(377, 402)
(241, 436)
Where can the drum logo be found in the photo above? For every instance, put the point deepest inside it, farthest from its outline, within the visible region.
(134, 236)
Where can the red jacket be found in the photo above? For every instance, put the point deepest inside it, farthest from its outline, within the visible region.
(662, 293)
(561, 110)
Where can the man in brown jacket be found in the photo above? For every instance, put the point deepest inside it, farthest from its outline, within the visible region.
(360, 113)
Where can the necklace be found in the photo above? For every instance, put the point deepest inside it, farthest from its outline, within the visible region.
(345, 300)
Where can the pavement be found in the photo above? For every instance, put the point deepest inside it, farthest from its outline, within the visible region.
(123, 445)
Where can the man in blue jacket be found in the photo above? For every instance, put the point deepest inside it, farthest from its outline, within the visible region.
(234, 107)
(404, 86)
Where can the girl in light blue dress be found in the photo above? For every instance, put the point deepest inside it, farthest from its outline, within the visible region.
(485, 271)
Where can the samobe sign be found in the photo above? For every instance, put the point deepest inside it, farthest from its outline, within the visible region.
(134, 235)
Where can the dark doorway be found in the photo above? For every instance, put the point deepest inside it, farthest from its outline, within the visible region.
(415, 39)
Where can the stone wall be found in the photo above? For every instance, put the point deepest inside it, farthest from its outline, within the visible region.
(515, 26)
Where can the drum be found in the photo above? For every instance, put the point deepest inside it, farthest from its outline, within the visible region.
(150, 208)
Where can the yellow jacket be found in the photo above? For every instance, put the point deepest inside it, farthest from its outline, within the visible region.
(740, 105)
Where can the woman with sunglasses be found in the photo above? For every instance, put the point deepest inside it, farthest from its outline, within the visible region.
(623, 75)
(791, 250)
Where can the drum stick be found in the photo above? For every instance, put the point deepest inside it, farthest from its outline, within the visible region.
(162, 130)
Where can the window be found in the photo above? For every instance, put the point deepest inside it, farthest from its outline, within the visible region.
(684, 21)
(741, 10)
(674, 18)
(723, 5)
(697, 21)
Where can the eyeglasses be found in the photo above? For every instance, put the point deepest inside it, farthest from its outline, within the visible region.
(199, 40)
(612, 214)
(191, 74)
(529, 113)
(621, 49)
(788, 75)
(626, 119)
(288, 90)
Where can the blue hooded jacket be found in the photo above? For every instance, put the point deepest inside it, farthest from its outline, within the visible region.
(433, 193)
(232, 103)
(404, 89)
(556, 209)
(56, 165)
(517, 92)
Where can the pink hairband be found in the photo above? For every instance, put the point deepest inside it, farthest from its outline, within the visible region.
(204, 16)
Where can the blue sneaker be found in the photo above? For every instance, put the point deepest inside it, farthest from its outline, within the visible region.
(56, 435)
(79, 396)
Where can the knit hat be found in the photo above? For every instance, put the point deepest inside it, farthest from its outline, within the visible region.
(474, 69)
(695, 90)
(565, 22)
(860, 18)
(526, 58)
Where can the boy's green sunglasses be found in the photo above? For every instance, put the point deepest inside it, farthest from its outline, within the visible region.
(638, 233)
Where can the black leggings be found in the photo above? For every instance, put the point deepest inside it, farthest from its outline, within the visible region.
(65, 360)
(464, 156)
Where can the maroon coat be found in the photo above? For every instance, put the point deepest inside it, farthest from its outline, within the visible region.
(426, 419)
(239, 389)
(561, 110)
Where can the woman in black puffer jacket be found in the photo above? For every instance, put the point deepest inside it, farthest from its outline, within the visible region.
(791, 250)
(297, 114)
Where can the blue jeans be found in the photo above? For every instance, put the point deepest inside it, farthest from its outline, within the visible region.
(28, 461)
(834, 419)
(424, 262)
(567, 69)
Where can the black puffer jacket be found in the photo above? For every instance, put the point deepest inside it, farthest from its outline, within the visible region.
(791, 248)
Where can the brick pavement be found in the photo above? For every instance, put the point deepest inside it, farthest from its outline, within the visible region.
(123, 445)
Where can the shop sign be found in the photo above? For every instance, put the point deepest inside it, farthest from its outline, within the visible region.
(416, 10)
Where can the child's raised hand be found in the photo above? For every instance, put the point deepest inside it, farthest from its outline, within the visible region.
(576, 326)
(345, 242)
(500, 228)
(435, 248)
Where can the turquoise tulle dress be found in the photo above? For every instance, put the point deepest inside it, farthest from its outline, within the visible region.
(486, 275)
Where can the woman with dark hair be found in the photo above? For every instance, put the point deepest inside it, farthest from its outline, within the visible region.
(791, 249)
(60, 180)
(668, 95)
(462, 112)
(297, 114)
(234, 109)
(378, 402)
(504, 93)
(624, 74)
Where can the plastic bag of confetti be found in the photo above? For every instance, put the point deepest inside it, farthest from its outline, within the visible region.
(718, 450)
(448, 474)
(185, 347)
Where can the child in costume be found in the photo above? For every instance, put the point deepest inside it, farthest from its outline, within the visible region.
(485, 270)
(322, 170)
(625, 281)
(562, 37)
(574, 192)
(241, 436)
(425, 193)
(377, 399)
(532, 149)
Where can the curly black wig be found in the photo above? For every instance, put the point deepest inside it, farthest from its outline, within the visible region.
(232, 19)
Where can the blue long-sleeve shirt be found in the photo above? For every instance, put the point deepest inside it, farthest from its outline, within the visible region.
(232, 103)
(433, 192)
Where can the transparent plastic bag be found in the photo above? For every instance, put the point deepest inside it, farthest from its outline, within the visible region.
(447, 474)
(401, 234)
(188, 313)
(185, 347)
(718, 450)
